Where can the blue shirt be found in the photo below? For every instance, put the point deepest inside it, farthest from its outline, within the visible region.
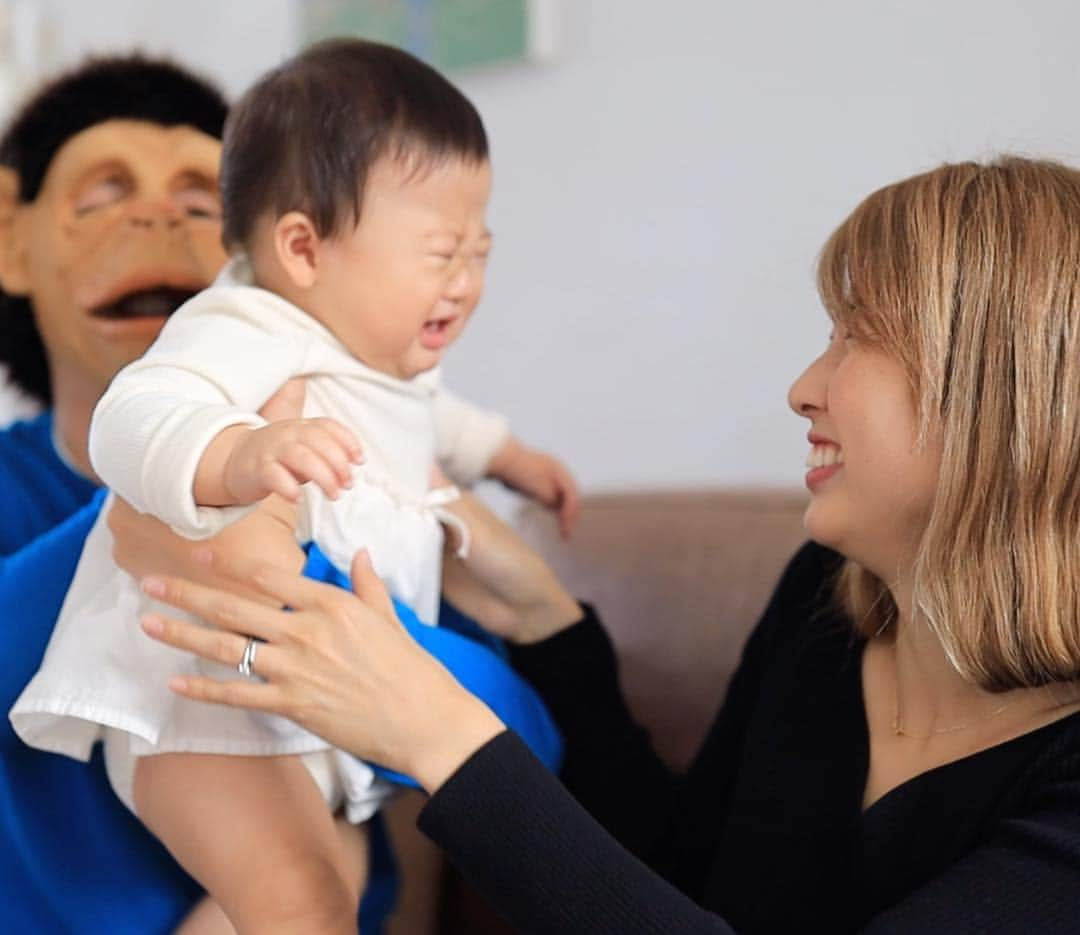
(72, 857)
(39, 490)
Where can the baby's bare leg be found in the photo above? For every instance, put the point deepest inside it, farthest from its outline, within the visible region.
(208, 918)
(420, 868)
(355, 843)
(256, 833)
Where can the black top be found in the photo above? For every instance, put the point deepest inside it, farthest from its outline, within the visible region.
(766, 833)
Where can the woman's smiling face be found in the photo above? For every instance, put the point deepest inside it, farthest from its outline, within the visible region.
(872, 480)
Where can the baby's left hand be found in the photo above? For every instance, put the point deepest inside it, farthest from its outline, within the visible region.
(540, 476)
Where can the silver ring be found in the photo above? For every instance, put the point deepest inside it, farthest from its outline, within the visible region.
(247, 661)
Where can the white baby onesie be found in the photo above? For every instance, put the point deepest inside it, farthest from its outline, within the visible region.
(218, 359)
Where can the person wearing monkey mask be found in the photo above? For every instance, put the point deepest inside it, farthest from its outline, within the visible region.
(108, 221)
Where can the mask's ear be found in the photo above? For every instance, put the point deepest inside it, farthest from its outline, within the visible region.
(14, 279)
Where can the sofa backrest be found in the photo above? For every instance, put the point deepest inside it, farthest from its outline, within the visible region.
(679, 579)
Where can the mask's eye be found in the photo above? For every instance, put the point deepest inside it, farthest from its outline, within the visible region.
(198, 202)
(102, 193)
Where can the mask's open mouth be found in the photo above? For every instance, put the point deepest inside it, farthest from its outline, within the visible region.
(145, 303)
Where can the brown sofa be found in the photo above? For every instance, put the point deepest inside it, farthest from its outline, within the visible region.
(679, 579)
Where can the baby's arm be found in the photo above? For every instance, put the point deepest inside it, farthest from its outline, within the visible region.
(474, 443)
(176, 434)
(540, 476)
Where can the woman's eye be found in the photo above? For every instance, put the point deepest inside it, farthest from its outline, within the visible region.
(101, 194)
(199, 203)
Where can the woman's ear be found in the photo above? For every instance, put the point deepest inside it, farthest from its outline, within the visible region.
(14, 278)
(296, 246)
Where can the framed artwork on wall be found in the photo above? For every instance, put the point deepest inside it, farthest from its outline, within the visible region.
(449, 34)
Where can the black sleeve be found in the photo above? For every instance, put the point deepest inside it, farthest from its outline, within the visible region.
(541, 859)
(522, 840)
(609, 763)
(669, 822)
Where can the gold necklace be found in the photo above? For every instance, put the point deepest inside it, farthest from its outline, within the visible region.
(900, 731)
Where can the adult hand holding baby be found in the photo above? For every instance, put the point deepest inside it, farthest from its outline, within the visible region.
(340, 665)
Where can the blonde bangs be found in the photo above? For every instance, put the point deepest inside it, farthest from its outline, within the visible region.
(970, 276)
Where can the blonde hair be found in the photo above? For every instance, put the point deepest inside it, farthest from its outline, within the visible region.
(969, 275)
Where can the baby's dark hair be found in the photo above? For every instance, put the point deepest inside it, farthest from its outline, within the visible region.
(305, 136)
(115, 87)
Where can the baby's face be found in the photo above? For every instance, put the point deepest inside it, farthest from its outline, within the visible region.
(399, 287)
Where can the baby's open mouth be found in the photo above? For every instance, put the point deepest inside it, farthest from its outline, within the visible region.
(438, 325)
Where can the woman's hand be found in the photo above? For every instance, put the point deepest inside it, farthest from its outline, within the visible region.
(502, 583)
(338, 664)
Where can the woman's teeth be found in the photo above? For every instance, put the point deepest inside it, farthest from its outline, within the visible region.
(824, 456)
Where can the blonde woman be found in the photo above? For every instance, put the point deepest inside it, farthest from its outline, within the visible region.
(899, 752)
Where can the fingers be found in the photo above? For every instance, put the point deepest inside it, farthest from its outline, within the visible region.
(276, 478)
(281, 456)
(286, 587)
(236, 693)
(322, 451)
(305, 462)
(345, 438)
(369, 587)
(224, 648)
(569, 501)
(213, 645)
(568, 517)
(226, 611)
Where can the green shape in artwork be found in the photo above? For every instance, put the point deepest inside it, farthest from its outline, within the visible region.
(381, 20)
(479, 32)
(449, 34)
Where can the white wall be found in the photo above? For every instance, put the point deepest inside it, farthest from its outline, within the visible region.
(662, 190)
